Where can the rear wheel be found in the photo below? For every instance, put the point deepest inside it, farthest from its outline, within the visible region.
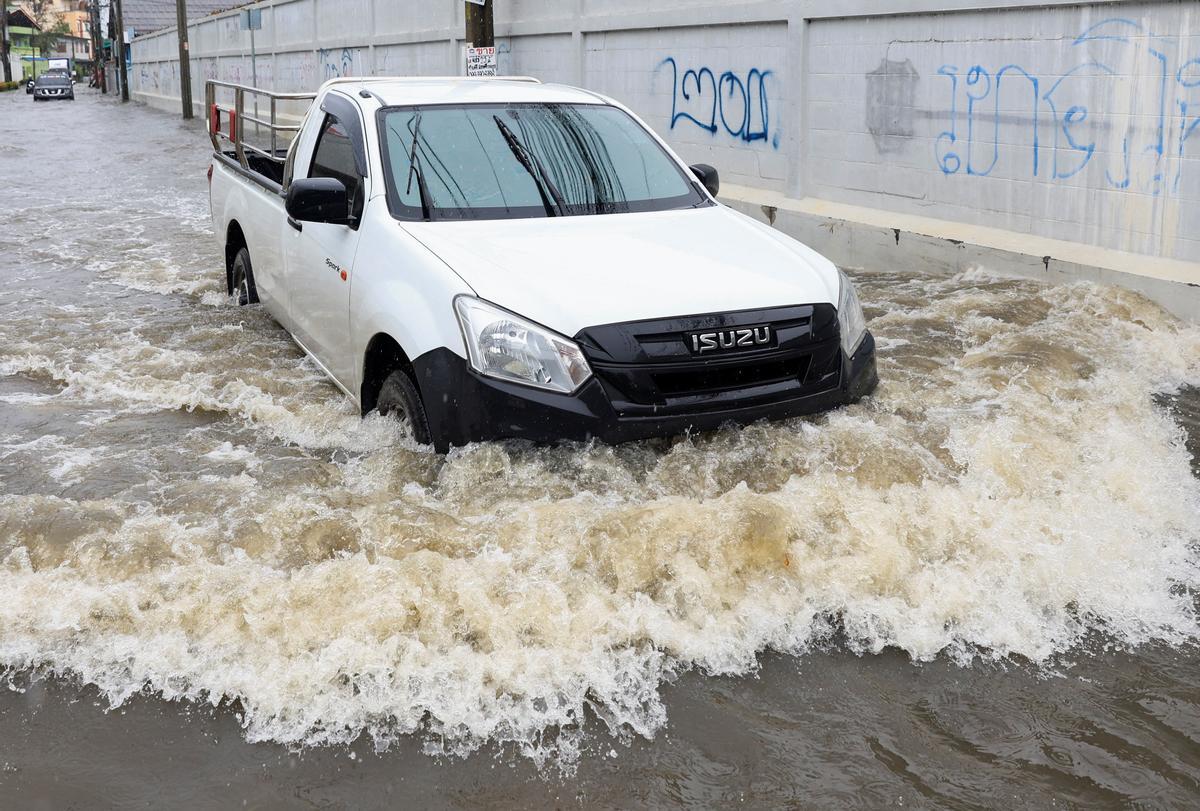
(400, 400)
(242, 276)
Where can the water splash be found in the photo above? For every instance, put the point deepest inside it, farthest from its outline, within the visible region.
(187, 507)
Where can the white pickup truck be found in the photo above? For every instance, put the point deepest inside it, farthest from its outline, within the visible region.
(502, 258)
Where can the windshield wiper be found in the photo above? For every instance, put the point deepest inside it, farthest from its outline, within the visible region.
(534, 167)
(422, 191)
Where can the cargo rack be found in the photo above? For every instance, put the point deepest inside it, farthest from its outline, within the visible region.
(237, 118)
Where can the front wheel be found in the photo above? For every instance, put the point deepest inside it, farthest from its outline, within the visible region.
(400, 400)
(242, 277)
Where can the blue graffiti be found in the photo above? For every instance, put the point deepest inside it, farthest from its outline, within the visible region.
(1090, 34)
(1074, 115)
(727, 102)
(949, 161)
(1073, 145)
(335, 66)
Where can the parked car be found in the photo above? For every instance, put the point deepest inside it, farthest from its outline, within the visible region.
(497, 258)
(54, 86)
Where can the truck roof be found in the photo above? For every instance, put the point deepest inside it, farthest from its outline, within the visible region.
(463, 90)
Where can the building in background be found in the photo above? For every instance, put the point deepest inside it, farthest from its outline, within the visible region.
(21, 52)
(77, 15)
(25, 57)
(77, 49)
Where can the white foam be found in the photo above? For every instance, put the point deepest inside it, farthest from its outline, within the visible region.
(1010, 489)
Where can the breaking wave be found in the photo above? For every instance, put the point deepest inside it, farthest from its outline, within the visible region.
(1010, 489)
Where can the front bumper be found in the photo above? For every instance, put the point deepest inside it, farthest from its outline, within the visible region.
(463, 406)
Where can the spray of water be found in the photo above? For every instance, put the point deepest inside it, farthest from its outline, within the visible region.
(187, 507)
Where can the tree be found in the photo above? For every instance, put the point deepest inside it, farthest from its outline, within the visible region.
(51, 26)
(4, 41)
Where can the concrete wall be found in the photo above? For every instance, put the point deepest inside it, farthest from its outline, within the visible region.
(643, 58)
(1077, 122)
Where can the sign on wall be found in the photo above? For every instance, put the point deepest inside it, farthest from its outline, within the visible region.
(481, 61)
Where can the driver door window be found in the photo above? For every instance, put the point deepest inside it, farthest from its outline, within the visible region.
(334, 157)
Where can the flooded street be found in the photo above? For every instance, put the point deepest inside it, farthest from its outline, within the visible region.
(977, 587)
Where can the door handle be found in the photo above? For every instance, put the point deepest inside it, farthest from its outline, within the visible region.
(295, 223)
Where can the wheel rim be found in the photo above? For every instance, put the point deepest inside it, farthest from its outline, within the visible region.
(396, 409)
(397, 412)
(242, 287)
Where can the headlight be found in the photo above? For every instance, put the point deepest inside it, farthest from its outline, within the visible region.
(851, 321)
(504, 345)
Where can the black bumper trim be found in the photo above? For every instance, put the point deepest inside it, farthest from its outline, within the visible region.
(463, 406)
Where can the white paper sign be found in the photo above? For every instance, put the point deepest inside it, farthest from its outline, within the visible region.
(481, 61)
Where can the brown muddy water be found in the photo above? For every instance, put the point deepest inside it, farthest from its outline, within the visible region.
(977, 588)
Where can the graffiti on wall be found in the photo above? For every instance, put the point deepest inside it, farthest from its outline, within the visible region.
(337, 63)
(159, 78)
(1142, 143)
(296, 72)
(233, 70)
(725, 104)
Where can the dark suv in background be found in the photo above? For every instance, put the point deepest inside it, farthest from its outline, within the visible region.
(54, 86)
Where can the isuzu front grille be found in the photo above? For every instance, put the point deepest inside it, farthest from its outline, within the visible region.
(649, 368)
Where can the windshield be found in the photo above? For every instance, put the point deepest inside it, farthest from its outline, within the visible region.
(491, 161)
(53, 81)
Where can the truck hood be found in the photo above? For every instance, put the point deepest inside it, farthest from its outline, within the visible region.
(569, 273)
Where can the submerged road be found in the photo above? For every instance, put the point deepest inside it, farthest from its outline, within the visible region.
(977, 588)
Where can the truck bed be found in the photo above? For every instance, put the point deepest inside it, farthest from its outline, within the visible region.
(262, 166)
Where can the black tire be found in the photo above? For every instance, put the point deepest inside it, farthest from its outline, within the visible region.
(241, 277)
(400, 400)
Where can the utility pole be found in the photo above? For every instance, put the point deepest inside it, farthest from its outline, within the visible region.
(97, 47)
(479, 24)
(122, 73)
(185, 64)
(4, 40)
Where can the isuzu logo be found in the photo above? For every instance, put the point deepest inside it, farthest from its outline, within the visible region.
(724, 340)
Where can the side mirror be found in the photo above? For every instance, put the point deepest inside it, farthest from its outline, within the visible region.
(708, 177)
(317, 199)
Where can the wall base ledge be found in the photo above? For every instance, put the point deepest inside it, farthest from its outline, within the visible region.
(856, 236)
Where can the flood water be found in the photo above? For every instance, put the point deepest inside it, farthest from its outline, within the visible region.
(978, 587)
